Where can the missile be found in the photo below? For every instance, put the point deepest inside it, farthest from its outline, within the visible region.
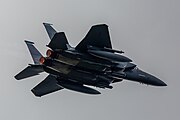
(104, 49)
(109, 56)
(77, 87)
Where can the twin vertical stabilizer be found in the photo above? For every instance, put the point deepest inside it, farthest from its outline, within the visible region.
(58, 39)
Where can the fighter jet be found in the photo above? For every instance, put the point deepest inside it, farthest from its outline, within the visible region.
(92, 63)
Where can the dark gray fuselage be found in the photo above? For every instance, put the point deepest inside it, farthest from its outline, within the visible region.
(89, 70)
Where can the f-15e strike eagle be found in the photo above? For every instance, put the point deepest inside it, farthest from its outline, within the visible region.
(92, 62)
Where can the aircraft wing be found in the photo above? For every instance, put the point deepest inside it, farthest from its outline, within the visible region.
(47, 86)
(98, 36)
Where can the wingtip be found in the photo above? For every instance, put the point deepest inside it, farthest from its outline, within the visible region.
(34, 92)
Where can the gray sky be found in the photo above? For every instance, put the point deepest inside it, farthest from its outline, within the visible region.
(147, 30)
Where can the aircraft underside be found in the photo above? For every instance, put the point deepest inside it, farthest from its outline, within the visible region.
(92, 62)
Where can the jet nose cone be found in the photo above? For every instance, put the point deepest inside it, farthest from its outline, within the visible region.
(160, 83)
(157, 82)
(150, 79)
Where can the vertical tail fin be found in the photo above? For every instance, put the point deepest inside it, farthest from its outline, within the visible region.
(50, 30)
(59, 42)
(98, 36)
(31, 70)
(36, 55)
(58, 39)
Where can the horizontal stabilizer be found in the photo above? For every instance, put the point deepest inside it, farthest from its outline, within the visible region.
(50, 30)
(98, 36)
(47, 86)
(58, 42)
(36, 55)
(29, 72)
